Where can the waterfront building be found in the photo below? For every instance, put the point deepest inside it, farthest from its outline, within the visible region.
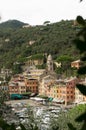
(66, 90)
(17, 86)
(45, 85)
(32, 85)
(53, 90)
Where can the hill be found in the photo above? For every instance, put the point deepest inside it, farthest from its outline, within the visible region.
(17, 43)
(11, 24)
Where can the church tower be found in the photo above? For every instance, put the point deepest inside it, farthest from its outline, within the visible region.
(49, 63)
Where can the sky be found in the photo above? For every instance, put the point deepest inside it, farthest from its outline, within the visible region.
(36, 12)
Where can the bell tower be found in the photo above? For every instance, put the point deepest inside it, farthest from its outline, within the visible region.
(49, 63)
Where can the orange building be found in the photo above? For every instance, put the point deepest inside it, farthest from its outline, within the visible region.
(31, 85)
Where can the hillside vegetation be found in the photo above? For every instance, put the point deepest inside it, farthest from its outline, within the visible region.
(17, 43)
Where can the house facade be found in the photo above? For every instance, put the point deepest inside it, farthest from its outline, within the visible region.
(46, 84)
(66, 90)
(17, 88)
(32, 85)
(17, 85)
(76, 64)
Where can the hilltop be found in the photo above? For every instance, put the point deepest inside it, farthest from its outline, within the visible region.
(11, 24)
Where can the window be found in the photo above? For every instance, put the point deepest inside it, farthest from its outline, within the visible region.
(12, 87)
(68, 97)
(71, 96)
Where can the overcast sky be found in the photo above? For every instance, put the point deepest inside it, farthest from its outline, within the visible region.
(36, 12)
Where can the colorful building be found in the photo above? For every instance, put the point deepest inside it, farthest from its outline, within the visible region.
(17, 88)
(66, 90)
(45, 85)
(17, 85)
(32, 85)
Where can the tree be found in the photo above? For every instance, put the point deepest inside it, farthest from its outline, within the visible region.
(17, 68)
(65, 63)
(66, 119)
(80, 43)
(46, 22)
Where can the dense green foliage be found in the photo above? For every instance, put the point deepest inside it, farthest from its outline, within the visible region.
(36, 56)
(4, 96)
(68, 118)
(5, 126)
(54, 38)
(11, 24)
(80, 43)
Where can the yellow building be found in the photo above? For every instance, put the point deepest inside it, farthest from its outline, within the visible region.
(53, 92)
(45, 87)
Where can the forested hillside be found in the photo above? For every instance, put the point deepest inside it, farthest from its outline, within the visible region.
(17, 43)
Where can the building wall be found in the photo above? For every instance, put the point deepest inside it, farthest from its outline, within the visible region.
(76, 64)
(53, 91)
(32, 85)
(62, 92)
(45, 87)
(17, 86)
(66, 90)
(14, 89)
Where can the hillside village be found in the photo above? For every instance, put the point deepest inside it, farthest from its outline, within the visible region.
(44, 82)
(41, 66)
(41, 60)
